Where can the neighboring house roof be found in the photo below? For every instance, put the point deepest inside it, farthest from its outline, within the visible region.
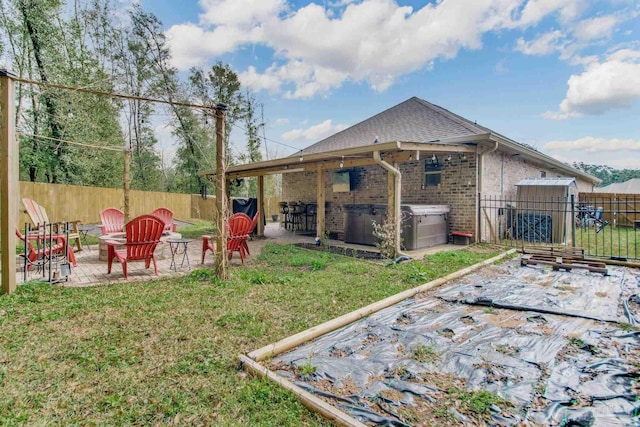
(547, 182)
(413, 120)
(631, 186)
(416, 120)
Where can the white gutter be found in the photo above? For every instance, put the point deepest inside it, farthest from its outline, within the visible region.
(397, 190)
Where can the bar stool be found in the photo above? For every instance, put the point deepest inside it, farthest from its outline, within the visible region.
(296, 210)
(284, 214)
(311, 216)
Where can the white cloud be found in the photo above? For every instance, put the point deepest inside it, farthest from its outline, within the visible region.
(282, 121)
(547, 43)
(257, 81)
(614, 83)
(622, 163)
(191, 45)
(320, 46)
(536, 10)
(239, 12)
(315, 132)
(625, 55)
(614, 152)
(591, 144)
(595, 28)
(318, 49)
(166, 145)
(555, 115)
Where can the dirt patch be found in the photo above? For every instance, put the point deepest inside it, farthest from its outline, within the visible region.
(339, 250)
(467, 320)
(492, 272)
(370, 339)
(509, 350)
(504, 319)
(405, 319)
(340, 353)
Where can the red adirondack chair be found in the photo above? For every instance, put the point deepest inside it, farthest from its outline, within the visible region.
(166, 215)
(254, 224)
(239, 226)
(112, 221)
(143, 235)
(43, 250)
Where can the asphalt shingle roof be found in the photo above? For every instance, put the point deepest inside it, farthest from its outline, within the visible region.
(413, 120)
(631, 186)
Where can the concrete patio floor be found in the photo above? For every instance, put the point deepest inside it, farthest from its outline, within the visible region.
(91, 271)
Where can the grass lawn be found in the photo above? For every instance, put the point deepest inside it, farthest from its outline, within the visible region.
(164, 352)
(610, 241)
(197, 228)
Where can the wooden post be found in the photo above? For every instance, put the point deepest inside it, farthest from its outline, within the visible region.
(390, 196)
(320, 196)
(221, 195)
(126, 183)
(398, 200)
(9, 189)
(262, 213)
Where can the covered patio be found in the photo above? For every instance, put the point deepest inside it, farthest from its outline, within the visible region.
(386, 155)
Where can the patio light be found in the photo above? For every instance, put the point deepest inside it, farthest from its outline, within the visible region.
(342, 162)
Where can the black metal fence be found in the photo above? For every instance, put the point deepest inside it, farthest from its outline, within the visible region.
(607, 227)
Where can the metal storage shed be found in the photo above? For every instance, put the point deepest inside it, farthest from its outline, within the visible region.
(543, 213)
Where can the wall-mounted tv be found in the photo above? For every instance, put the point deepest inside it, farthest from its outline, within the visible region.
(341, 181)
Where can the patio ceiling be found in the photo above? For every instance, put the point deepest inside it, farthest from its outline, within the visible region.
(391, 152)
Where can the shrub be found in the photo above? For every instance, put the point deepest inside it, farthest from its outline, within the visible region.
(385, 233)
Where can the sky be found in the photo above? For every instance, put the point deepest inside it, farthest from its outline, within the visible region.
(560, 75)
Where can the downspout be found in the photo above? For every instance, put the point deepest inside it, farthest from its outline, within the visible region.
(397, 190)
(480, 168)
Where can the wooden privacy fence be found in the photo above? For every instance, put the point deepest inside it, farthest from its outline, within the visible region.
(72, 202)
(619, 209)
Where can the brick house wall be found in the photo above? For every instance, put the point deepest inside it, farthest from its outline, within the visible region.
(458, 189)
(502, 171)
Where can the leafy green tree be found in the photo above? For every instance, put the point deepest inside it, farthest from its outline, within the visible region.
(139, 76)
(607, 174)
(49, 47)
(83, 44)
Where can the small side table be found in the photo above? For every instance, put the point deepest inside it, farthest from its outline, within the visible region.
(174, 245)
(84, 230)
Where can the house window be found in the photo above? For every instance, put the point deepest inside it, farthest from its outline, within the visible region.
(432, 172)
(543, 174)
